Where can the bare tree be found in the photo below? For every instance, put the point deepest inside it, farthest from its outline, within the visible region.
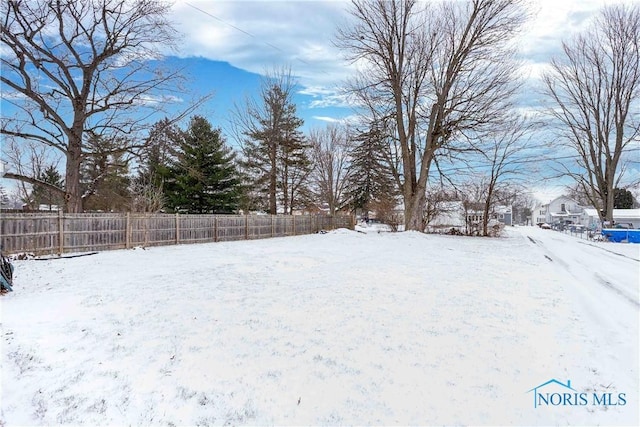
(331, 148)
(472, 193)
(146, 196)
(504, 150)
(80, 69)
(440, 72)
(30, 160)
(438, 202)
(595, 89)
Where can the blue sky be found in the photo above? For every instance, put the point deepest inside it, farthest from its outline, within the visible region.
(227, 45)
(236, 41)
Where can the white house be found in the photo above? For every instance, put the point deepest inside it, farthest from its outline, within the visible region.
(452, 215)
(561, 210)
(591, 220)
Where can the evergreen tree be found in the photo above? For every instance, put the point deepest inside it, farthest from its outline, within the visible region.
(294, 166)
(371, 179)
(45, 196)
(206, 180)
(160, 153)
(275, 152)
(622, 199)
(105, 176)
(155, 179)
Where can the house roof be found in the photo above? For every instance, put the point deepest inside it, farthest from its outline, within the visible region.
(449, 215)
(626, 213)
(502, 209)
(617, 213)
(564, 198)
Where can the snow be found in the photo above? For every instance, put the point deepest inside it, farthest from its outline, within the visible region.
(325, 329)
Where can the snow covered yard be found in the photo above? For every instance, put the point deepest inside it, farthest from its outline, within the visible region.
(341, 328)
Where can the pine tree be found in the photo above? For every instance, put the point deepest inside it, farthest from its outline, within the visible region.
(295, 166)
(275, 152)
(105, 176)
(206, 180)
(622, 199)
(160, 153)
(44, 196)
(155, 179)
(371, 178)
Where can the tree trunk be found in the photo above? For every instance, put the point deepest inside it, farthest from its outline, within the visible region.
(485, 217)
(609, 202)
(285, 188)
(273, 177)
(414, 212)
(73, 194)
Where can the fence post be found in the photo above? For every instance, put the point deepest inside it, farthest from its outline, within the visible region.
(273, 226)
(294, 224)
(177, 228)
(333, 222)
(127, 231)
(146, 230)
(246, 227)
(61, 231)
(215, 228)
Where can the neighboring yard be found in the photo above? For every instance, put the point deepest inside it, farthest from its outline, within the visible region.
(340, 328)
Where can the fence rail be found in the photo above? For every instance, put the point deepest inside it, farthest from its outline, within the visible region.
(49, 233)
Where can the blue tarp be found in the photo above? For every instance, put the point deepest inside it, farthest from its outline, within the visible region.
(621, 235)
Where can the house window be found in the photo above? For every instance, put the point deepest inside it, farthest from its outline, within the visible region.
(542, 212)
(562, 209)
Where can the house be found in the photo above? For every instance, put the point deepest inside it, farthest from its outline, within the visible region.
(451, 215)
(561, 210)
(502, 214)
(591, 220)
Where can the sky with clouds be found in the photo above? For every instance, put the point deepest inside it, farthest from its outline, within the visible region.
(236, 41)
(258, 34)
(226, 45)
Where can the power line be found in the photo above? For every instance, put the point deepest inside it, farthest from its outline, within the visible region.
(523, 161)
(220, 19)
(266, 43)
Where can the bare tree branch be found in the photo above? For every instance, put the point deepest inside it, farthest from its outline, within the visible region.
(80, 69)
(439, 70)
(595, 89)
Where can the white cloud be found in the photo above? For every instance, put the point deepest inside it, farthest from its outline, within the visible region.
(254, 35)
(328, 119)
(326, 97)
(260, 34)
(158, 99)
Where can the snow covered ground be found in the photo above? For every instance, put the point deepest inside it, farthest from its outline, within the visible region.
(326, 329)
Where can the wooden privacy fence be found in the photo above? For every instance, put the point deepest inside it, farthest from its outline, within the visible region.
(49, 233)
